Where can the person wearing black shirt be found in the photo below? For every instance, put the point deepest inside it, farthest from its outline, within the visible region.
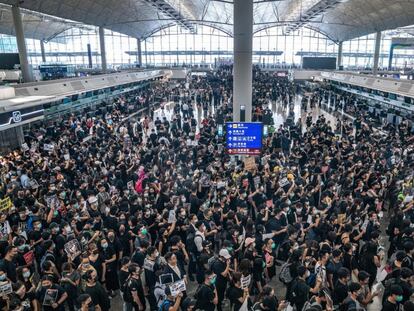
(151, 269)
(392, 303)
(300, 289)
(340, 290)
(8, 264)
(133, 291)
(49, 288)
(221, 268)
(206, 294)
(235, 293)
(97, 292)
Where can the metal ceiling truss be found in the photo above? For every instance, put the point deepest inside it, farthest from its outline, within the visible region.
(168, 10)
(317, 10)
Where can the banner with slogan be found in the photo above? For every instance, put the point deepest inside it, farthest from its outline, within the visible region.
(5, 204)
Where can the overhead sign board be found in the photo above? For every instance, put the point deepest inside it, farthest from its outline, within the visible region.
(244, 138)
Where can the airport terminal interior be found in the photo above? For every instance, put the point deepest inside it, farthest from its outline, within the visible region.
(229, 155)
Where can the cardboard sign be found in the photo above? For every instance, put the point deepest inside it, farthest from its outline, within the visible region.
(5, 289)
(177, 287)
(51, 296)
(73, 249)
(5, 204)
(249, 164)
(245, 281)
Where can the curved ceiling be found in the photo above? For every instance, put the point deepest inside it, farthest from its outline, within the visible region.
(340, 20)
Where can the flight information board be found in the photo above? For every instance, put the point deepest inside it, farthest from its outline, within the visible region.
(244, 138)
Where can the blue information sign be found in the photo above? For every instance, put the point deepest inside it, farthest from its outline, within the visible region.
(244, 138)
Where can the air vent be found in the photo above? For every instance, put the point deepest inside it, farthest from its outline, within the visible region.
(77, 85)
(22, 92)
(370, 81)
(405, 87)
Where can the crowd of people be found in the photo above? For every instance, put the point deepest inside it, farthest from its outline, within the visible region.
(153, 210)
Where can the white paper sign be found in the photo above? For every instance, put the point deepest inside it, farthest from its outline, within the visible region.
(177, 287)
(245, 281)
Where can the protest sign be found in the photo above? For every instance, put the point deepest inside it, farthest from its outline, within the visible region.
(249, 164)
(5, 289)
(245, 281)
(51, 296)
(5, 204)
(29, 257)
(73, 249)
(177, 287)
(48, 147)
(148, 265)
(25, 147)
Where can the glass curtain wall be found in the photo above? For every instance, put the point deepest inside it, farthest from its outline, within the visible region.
(359, 53)
(71, 47)
(177, 46)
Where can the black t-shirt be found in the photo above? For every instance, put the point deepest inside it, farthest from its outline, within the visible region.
(219, 267)
(388, 306)
(340, 293)
(205, 296)
(40, 296)
(300, 293)
(10, 268)
(99, 296)
(234, 294)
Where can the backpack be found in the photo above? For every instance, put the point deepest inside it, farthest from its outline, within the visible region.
(190, 242)
(165, 306)
(311, 305)
(284, 275)
(211, 261)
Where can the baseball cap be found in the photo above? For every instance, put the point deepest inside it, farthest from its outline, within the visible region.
(224, 253)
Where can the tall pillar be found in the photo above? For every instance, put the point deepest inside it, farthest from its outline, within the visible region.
(390, 59)
(146, 53)
(103, 50)
(340, 55)
(139, 50)
(21, 44)
(242, 71)
(377, 52)
(42, 50)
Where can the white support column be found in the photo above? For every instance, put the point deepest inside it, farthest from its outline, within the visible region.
(139, 51)
(377, 52)
(340, 54)
(103, 50)
(21, 44)
(242, 71)
(42, 50)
